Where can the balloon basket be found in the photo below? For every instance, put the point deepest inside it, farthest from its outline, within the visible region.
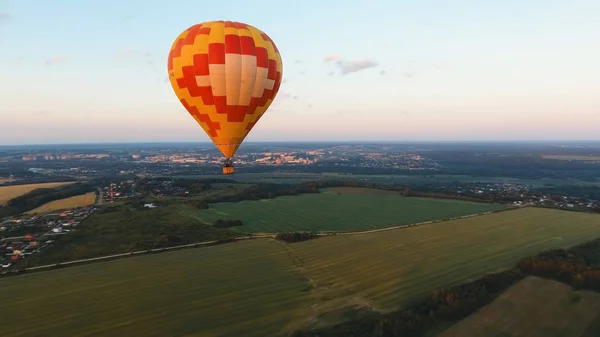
(227, 169)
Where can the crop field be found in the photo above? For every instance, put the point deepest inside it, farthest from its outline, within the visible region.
(10, 192)
(267, 288)
(534, 307)
(337, 212)
(71, 202)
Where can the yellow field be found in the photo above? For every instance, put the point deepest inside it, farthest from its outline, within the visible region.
(534, 307)
(72, 202)
(10, 192)
(571, 157)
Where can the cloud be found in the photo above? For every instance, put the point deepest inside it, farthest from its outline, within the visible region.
(298, 61)
(350, 66)
(408, 74)
(331, 73)
(356, 65)
(55, 60)
(330, 58)
(382, 72)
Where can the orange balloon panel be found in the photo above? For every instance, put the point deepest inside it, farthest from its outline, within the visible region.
(226, 74)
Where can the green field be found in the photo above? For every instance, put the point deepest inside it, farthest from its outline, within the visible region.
(555, 309)
(337, 212)
(268, 288)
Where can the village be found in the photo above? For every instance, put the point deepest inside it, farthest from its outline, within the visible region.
(31, 234)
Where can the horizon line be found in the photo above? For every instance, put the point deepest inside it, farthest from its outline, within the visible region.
(320, 142)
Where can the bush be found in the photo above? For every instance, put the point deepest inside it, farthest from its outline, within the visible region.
(292, 237)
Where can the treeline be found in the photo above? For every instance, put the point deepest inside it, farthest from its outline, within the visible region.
(401, 189)
(40, 196)
(270, 190)
(265, 191)
(578, 266)
(449, 196)
(292, 237)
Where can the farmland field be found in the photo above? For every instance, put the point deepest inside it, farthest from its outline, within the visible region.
(534, 307)
(10, 192)
(71, 202)
(337, 212)
(268, 288)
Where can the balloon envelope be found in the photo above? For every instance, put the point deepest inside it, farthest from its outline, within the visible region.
(226, 74)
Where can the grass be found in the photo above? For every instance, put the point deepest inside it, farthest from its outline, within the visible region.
(10, 192)
(534, 307)
(226, 291)
(268, 288)
(331, 211)
(72, 202)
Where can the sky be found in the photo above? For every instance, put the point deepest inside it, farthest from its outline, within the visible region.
(92, 71)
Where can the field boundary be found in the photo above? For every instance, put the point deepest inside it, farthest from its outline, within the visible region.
(112, 257)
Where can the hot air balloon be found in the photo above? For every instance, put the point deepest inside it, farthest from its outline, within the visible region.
(226, 74)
